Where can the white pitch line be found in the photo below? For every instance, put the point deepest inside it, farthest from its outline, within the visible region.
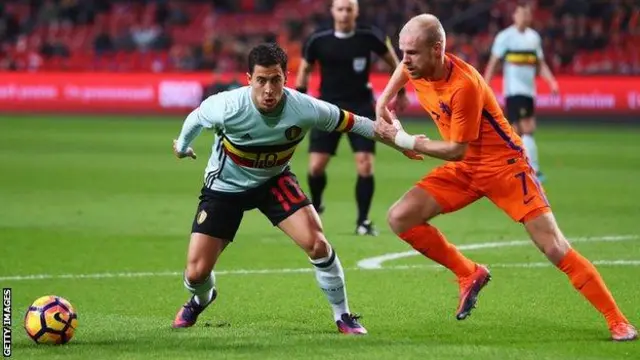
(288, 271)
(376, 262)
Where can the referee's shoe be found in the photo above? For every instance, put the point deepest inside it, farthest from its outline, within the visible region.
(366, 227)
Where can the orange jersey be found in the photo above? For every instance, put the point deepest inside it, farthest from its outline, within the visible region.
(465, 109)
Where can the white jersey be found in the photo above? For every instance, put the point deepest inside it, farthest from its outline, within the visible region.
(251, 147)
(521, 52)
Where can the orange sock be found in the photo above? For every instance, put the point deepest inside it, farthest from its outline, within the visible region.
(431, 243)
(586, 279)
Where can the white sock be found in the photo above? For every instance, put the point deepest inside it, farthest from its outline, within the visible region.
(202, 292)
(330, 277)
(204, 298)
(531, 149)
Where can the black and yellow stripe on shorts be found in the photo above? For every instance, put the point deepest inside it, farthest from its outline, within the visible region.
(521, 58)
(346, 121)
(260, 156)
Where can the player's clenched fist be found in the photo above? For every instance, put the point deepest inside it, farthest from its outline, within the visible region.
(187, 153)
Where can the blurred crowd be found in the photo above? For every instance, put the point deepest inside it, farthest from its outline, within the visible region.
(579, 36)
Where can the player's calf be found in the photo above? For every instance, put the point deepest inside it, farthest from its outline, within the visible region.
(199, 278)
(582, 274)
(203, 294)
(317, 179)
(305, 229)
(331, 280)
(365, 186)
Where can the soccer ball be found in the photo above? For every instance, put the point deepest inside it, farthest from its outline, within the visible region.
(51, 320)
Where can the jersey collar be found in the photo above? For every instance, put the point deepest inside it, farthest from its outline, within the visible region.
(448, 63)
(344, 35)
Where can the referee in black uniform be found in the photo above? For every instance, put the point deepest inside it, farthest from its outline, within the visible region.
(344, 55)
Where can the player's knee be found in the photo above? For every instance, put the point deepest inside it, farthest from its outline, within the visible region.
(548, 237)
(364, 165)
(555, 248)
(197, 271)
(317, 167)
(317, 247)
(398, 219)
(316, 170)
(527, 126)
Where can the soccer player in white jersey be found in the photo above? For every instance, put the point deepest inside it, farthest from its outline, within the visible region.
(258, 128)
(521, 49)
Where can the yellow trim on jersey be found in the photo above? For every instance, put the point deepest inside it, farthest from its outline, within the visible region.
(259, 159)
(521, 59)
(345, 123)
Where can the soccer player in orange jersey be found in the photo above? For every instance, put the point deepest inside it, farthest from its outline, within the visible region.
(485, 158)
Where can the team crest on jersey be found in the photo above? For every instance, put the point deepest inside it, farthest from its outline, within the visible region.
(202, 216)
(523, 111)
(359, 64)
(444, 108)
(293, 132)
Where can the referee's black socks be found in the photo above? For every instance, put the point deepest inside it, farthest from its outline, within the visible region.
(364, 196)
(317, 184)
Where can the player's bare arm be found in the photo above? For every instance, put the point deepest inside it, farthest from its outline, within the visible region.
(491, 68)
(332, 118)
(391, 59)
(375, 130)
(398, 80)
(546, 74)
(304, 73)
(466, 112)
(444, 150)
(190, 130)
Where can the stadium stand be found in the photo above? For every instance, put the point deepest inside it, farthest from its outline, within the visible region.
(580, 36)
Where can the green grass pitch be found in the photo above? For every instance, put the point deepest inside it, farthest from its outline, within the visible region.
(81, 196)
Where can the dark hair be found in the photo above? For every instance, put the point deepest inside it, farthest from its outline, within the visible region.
(267, 54)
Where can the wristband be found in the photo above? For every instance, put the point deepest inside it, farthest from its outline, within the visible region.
(302, 89)
(405, 140)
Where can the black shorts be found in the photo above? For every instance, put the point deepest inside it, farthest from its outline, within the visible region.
(220, 213)
(519, 107)
(327, 142)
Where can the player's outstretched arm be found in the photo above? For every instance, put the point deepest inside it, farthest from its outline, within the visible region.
(466, 107)
(191, 128)
(419, 144)
(398, 80)
(209, 114)
(331, 118)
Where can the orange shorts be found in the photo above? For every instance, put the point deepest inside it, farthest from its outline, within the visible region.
(514, 188)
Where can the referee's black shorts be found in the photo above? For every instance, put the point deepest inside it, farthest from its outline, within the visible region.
(519, 107)
(327, 142)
